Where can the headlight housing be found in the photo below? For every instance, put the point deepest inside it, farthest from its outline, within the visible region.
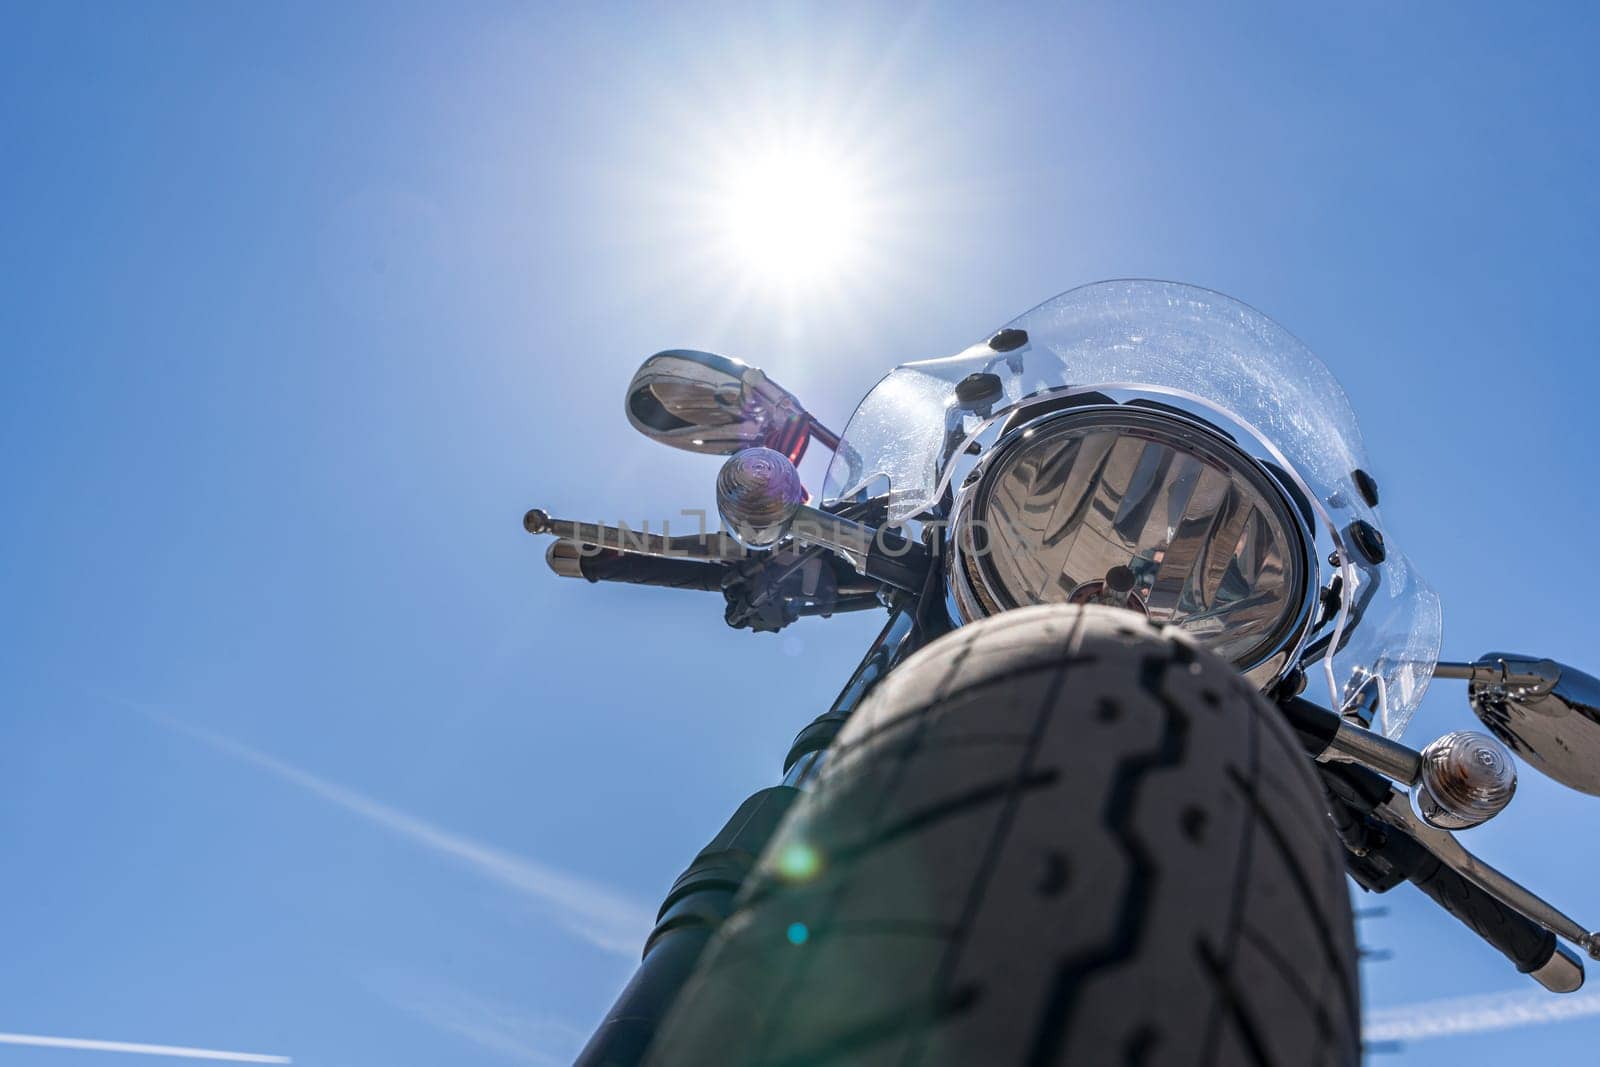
(1144, 508)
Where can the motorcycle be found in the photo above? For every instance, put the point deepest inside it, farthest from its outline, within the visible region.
(1136, 710)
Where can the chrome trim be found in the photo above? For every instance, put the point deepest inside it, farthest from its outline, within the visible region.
(1562, 973)
(1352, 744)
(1490, 672)
(565, 558)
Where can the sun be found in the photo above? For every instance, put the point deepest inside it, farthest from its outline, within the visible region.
(793, 215)
(800, 196)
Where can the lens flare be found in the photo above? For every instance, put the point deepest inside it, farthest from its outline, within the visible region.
(798, 862)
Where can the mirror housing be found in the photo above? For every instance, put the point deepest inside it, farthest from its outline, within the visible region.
(702, 402)
(1545, 712)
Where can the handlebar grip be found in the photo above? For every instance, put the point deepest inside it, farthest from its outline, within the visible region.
(1529, 946)
(567, 559)
(1519, 939)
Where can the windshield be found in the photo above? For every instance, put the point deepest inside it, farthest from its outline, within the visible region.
(1208, 352)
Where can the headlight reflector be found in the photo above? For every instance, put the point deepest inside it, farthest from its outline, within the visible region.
(1143, 509)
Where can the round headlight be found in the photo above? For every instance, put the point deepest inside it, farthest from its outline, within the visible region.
(1145, 510)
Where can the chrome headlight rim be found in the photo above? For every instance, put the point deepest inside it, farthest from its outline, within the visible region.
(973, 593)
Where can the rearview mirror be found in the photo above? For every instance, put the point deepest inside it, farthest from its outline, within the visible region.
(1545, 712)
(702, 402)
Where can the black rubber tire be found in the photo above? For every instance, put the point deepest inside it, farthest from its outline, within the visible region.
(1058, 836)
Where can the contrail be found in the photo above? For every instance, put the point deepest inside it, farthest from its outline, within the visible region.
(1476, 1014)
(534, 1039)
(174, 1051)
(597, 913)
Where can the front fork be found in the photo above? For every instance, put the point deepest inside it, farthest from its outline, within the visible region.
(703, 896)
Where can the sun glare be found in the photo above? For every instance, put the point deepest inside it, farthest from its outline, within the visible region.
(792, 216)
(794, 191)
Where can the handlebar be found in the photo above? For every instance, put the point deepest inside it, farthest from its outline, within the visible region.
(570, 560)
(1384, 853)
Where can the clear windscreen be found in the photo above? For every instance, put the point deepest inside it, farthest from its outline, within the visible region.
(1209, 353)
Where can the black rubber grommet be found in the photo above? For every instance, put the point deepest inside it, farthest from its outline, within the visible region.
(1008, 340)
(1367, 540)
(979, 389)
(1367, 485)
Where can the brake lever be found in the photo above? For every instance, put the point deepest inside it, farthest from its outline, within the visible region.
(1397, 812)
(713, 547)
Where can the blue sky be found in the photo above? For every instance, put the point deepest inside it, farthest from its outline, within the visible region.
(304, 752)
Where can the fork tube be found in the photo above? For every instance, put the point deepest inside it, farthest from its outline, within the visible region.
(704, 894)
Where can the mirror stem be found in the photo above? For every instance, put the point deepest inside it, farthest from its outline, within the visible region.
(824, 436)
(1489, 672)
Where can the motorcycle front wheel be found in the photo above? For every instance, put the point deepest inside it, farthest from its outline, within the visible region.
(1058, 836)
